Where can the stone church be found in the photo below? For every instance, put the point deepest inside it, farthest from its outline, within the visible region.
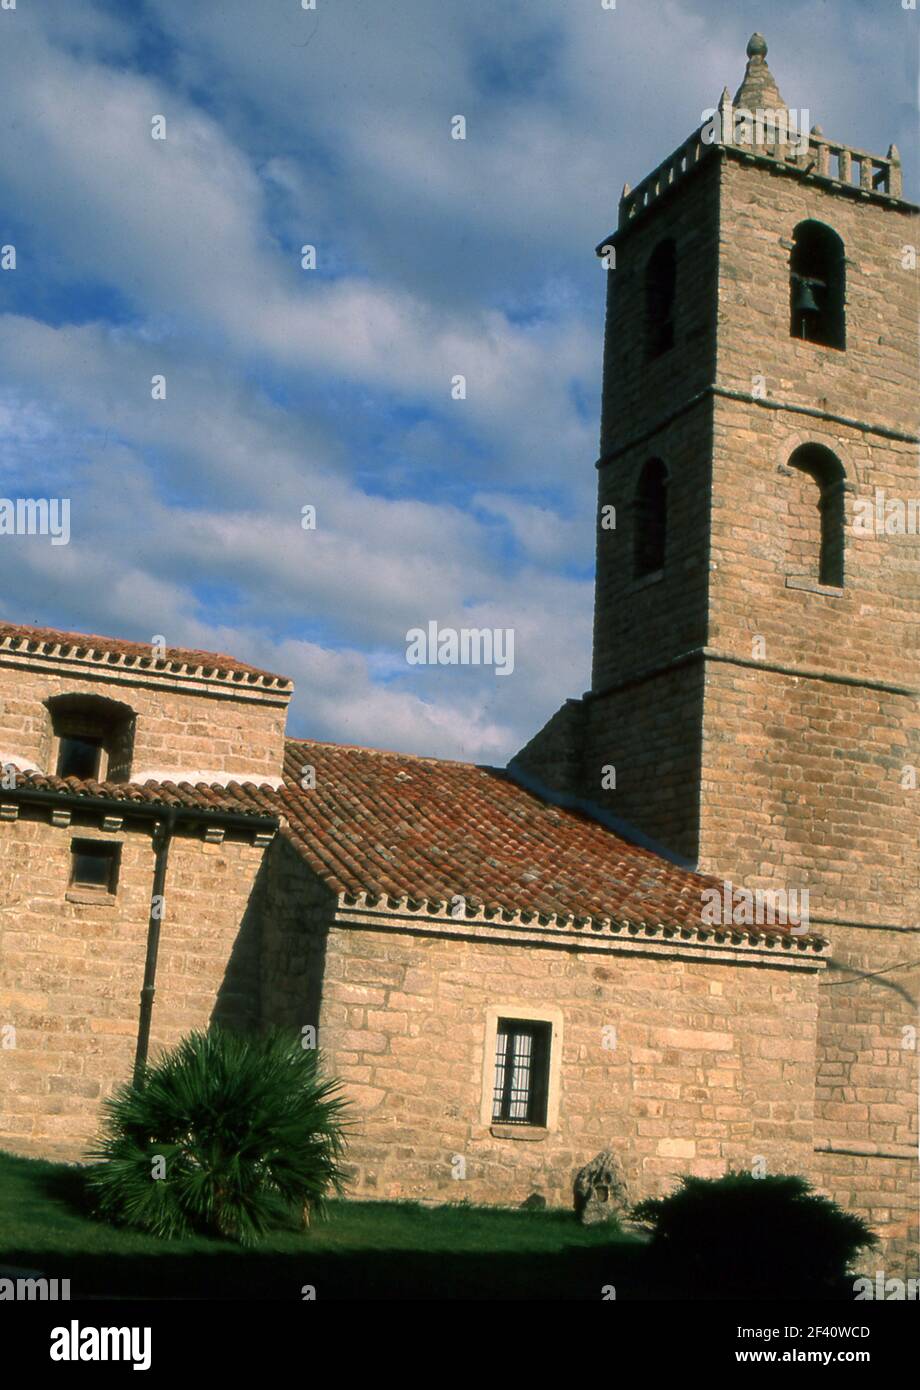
(512, 970)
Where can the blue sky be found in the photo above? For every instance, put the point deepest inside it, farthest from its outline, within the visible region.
(331, 387)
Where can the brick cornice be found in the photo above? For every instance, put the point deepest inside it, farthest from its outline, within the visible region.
(713, 391)
(857, 1150)
(698, 654)
(740, 945)
(139, 673)
(92, 657)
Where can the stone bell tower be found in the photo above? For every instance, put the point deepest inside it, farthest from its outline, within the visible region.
(757, 631)
(756, 672)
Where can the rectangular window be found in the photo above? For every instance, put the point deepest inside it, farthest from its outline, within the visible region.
(521, 1072)
(94, 864)
(79, 756)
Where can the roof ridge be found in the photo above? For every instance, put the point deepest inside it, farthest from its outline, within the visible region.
(391, 753)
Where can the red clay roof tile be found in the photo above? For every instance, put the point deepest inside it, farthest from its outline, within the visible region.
(398, 825)
(240, 798)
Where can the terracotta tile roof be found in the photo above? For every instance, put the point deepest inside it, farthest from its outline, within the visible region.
(401, 832)
(389, 825)
(246, 798)
(18, 636)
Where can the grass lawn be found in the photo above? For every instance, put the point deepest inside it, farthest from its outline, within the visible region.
(363, 1250)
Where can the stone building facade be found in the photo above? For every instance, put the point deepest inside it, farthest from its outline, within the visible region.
(514, 970)
(78, 853)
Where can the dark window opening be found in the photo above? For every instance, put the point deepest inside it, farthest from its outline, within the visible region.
(95, 737)
(660, 285)
(817, 286)
(825, 543)
(79, 756)
(94, 864)
(521, 1072)
(650, 516)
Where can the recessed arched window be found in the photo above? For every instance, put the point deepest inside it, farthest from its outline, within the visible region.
(817, 521)
(650, 519)
(660, 286)
(817, 286)
(92, 737)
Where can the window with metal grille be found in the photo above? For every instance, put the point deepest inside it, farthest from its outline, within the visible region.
(521, 1072)
(94, 864)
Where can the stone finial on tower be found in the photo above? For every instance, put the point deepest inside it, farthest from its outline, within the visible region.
(758, 91)
(894, 172)
(726, 120)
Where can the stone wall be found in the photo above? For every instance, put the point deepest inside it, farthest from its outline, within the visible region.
(713, 1064)
(184, 727)
(867, 1084)
(555, 755)
(806, 760)
(643, 623)
(884, 1191)
(802, 785)
(650, 731)
(639, 391)
(72, 966)
(875, 378)
(298, 911)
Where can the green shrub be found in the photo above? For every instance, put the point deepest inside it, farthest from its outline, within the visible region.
(740, 1236)
(225, 1135)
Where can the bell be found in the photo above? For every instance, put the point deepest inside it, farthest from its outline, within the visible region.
(804, 301)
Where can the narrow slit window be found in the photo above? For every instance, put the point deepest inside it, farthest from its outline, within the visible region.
(650, 517)
(818, 515)
(660, 287)
(521, 1072)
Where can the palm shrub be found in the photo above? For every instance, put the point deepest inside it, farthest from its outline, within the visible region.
(742, 1236)
(223, 1136)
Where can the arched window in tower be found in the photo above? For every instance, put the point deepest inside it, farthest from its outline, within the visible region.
(650, 519)
(817, 286)
(660, 284)
(817, 523)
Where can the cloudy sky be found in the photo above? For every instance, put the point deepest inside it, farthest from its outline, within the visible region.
(331, 387)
